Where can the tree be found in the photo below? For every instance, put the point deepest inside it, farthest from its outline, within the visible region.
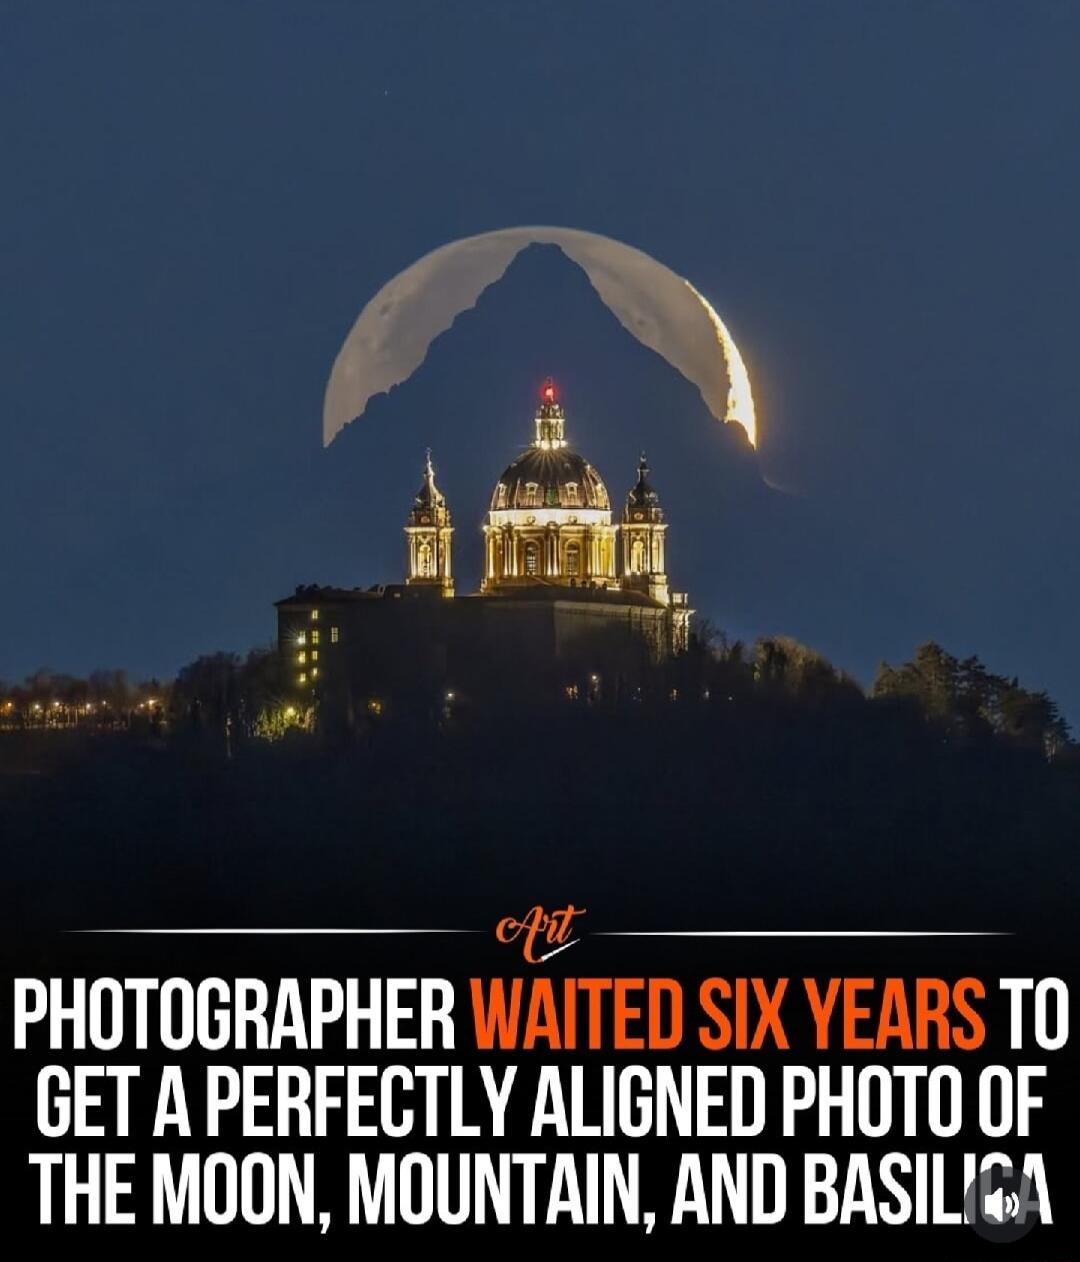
(783, 664)
(930, 681)
(967, 699)
(1032, 720)
(206, 694)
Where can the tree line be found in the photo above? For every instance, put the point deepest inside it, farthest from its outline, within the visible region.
(232, 698)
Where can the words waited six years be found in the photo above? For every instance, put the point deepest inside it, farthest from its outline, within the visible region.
(634, 1014)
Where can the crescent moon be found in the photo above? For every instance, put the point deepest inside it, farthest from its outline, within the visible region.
(391, 336)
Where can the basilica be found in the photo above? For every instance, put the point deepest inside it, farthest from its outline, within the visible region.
(571, 601)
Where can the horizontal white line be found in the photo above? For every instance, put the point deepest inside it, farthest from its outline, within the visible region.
(803, 933)
(210, 932)
(610, 933)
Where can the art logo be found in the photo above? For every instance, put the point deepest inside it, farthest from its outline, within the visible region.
(538, 929)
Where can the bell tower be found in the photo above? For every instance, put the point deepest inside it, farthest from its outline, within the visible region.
(428, 535)
(643, 530)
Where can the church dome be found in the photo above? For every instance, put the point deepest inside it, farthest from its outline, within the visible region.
(548, 474)
(550, 479)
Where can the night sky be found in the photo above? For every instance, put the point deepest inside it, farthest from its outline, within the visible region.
(880, 199)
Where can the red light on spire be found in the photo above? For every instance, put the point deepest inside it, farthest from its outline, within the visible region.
(548, 393)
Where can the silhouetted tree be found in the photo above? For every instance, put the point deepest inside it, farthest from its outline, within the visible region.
(783, 665)
(966, 699)
(206, 695)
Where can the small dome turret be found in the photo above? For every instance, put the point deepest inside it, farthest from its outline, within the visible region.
(642, 502)
(429, 501)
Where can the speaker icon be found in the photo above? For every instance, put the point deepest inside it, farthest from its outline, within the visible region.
(1001, 1206)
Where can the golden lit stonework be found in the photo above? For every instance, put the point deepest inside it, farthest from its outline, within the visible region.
(572, 604)
(550, 517)
(429, 535)
(550, 526)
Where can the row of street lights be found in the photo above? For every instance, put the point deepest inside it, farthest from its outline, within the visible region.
(58, 713)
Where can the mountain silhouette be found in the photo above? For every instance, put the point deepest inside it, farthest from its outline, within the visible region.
(754, 560)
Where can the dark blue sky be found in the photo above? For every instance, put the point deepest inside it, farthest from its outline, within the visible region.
(882, 200)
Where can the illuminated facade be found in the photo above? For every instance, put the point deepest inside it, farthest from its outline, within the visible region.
(429, 534)
(571, 602)
(549, 525)
(550, 516)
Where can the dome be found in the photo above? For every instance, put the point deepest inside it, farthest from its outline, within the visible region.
(429, 503)
(642, 502)
(557, 478)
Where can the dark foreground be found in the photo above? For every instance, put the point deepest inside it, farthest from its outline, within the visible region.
(658, 821)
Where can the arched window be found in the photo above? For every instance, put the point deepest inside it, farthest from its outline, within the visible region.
(424, 558)
(530, 494)
(532, 558)
(637, 556)
(571, 494)
(500, 496)
(573, 560)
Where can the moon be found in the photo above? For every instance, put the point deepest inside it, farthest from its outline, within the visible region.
(391, 336)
